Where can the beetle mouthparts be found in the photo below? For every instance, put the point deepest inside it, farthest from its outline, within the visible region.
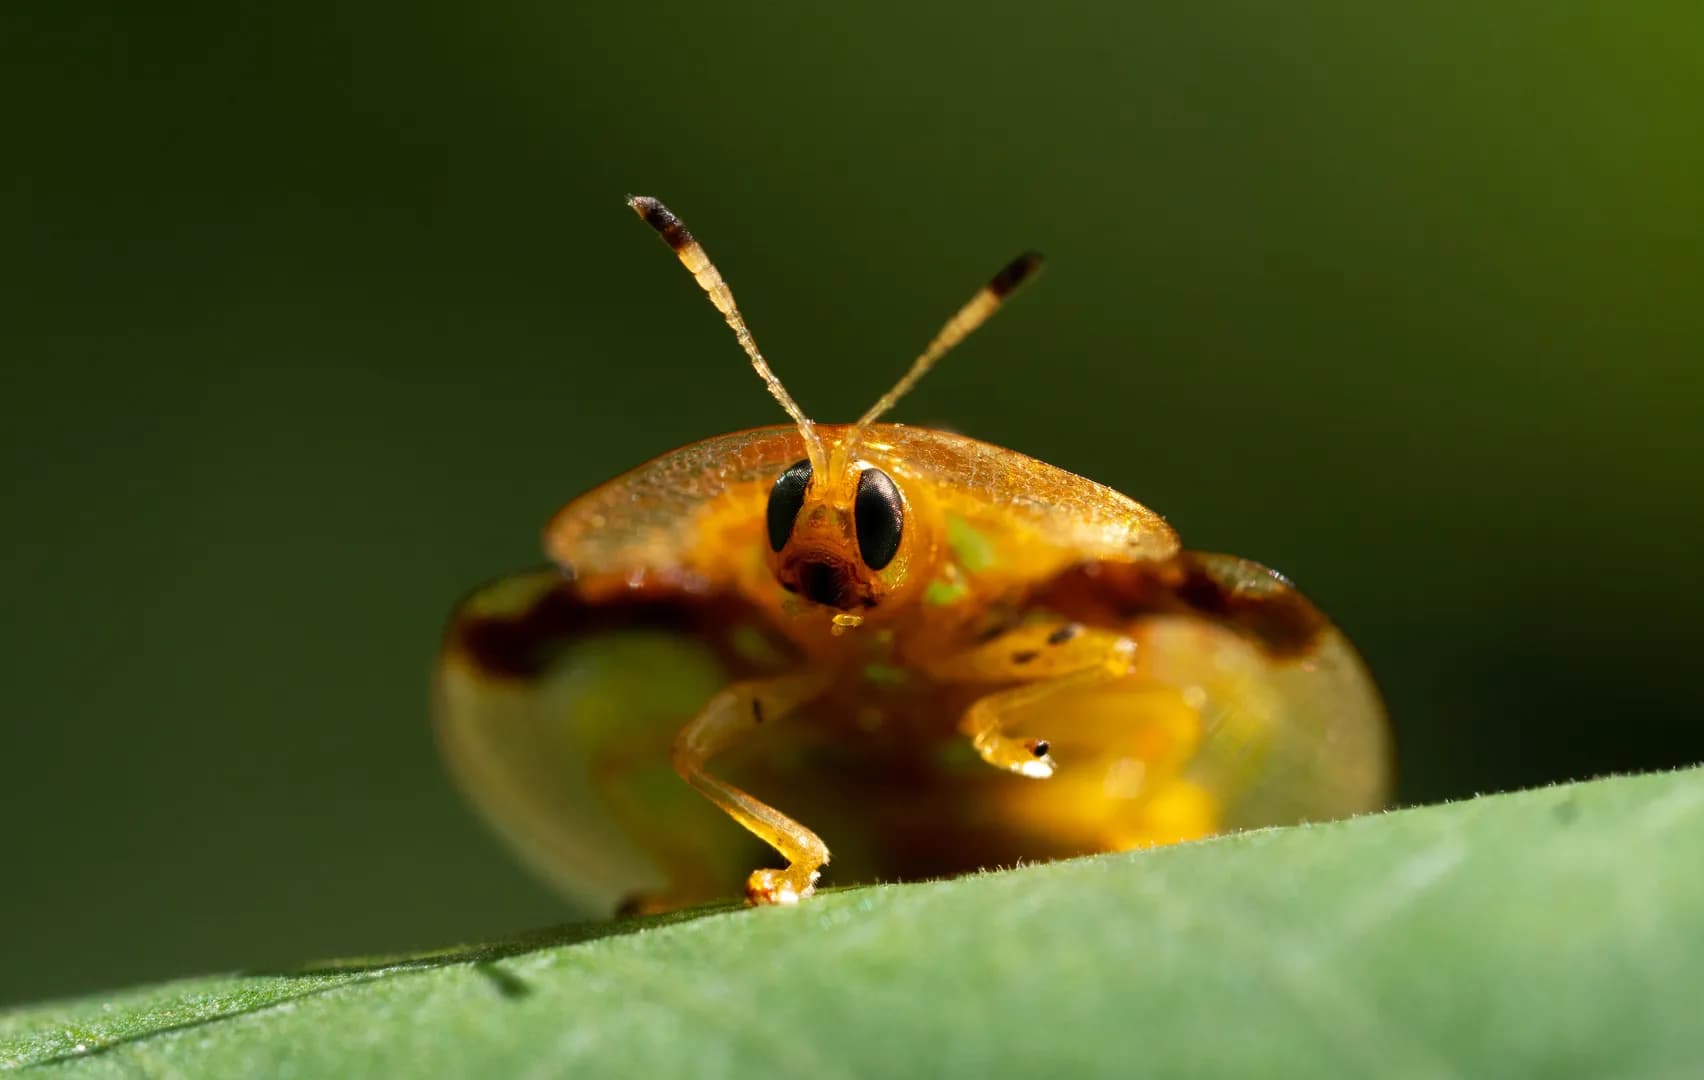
(827, 583)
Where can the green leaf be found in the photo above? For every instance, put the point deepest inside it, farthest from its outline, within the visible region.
(1553, 932)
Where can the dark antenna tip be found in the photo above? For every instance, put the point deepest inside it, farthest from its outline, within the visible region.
(1015, 273)
(662, 219)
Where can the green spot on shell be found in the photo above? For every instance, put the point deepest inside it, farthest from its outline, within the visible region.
(973, 550)
(885, 674)
(941, 593)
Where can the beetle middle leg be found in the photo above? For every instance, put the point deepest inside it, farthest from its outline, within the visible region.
(1055, 658)
(731, 716)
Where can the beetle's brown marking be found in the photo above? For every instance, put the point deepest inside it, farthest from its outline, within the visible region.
(523, 645)
(1281, 621)
(1284, 622)
(1024, 656)
(1064, 633)
(756, 711)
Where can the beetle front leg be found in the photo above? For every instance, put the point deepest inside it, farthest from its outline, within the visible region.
(731, 716)
(1058, 658)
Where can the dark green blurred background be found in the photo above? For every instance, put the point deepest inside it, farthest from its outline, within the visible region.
(311, 318)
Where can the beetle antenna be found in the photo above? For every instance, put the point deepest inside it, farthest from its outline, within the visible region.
(697, 262)
(978, 311)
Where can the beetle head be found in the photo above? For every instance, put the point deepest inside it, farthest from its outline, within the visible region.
(841, 533)
(844, 541)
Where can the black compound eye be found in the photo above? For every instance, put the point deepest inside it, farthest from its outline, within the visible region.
(786, 498)
(879, 516)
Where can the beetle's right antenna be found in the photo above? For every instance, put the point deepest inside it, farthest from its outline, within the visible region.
(981, 306)
(697, 262)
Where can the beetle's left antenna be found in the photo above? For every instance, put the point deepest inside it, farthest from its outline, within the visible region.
(697, 262)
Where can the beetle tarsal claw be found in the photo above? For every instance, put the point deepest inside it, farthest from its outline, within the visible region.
(1026, 757)
(779, 887)
(1041, 764)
